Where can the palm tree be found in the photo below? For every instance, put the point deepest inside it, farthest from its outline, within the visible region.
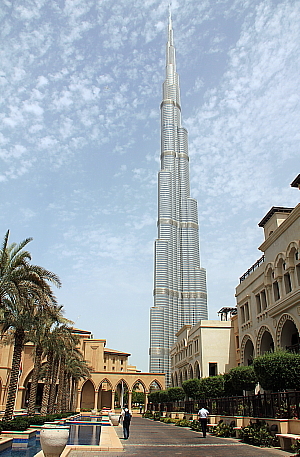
(56, 346)
(69, 349)
(75, 369)
(24, 293)
(39, 336)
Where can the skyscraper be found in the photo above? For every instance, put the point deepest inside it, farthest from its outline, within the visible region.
(179, 282)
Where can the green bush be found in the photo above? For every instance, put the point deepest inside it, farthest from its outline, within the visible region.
(156, 416)
(17, 424)
(21, 423)
(183, 423)
(148, 415)
(296, 448)
(278, 371)
(196, 426)
(239, 379)
(223, 430)
(258, 435)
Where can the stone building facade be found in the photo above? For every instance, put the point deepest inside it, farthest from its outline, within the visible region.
(268, 296)
(209, 348)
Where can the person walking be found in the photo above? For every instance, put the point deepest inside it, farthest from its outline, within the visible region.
(202, 417)
(125, 418)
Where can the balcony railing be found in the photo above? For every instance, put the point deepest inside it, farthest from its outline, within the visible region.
(251, 269)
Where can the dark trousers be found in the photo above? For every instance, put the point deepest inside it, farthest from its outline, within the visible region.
(126, 429)
(203, 425)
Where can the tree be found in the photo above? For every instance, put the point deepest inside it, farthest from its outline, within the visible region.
(176, 393)
(213, 386)
(39, 335)
(154, 397)
(239, 379)
(192, 388)
(24, 292)
(278, 371)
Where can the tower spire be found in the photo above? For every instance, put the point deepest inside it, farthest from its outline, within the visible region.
(179, 281)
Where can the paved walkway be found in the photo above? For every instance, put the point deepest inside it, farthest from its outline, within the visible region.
(156, 439)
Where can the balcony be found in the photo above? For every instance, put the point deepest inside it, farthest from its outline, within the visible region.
(253, 268)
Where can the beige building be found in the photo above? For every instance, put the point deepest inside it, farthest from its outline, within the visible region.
(268, 296)
(110, 374)
(207, 349)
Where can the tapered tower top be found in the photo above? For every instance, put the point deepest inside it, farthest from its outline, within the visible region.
(170, 54)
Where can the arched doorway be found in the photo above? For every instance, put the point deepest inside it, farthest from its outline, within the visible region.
(248, 353)
(191, 372)
(266, 343)
(138, 396)
(197, 371)
(289, 338)
(104, 395)
(87, 396)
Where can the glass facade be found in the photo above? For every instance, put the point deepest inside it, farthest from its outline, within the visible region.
(180, 295)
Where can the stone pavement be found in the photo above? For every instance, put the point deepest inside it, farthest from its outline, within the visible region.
(155, 439)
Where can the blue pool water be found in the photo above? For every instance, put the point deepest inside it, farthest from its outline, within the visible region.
(79, 434)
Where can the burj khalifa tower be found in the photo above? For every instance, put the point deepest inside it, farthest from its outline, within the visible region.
(180, 295)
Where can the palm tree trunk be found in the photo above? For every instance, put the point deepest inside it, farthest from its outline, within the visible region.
(61, 379)
(34, 380)
(47, 384)
(74, 394)
(53, 386)
(66, 393)
(19, 339)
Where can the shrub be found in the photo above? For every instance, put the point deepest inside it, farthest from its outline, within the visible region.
(239, 379)
(18, 424)
(258, 435)
(223, 430)
(183, 423)
(213, 386)
(278, 370)
(296, 448)
(196, 426)
(176, 393)
(192, 388)
(148, 415)
(156, 416)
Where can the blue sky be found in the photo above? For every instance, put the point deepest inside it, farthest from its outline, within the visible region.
(80, 142)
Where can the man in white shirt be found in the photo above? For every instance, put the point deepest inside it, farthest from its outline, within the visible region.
(202, 417)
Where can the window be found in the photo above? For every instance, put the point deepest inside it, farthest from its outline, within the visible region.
(104, 367)
(121, 362)
(242, 314)
(113, 368)
(258, 303)
(263, 299)
(298, 273)
(212, 369)
(287, 283)
(247, 315)
(276, 291)
(237, 343)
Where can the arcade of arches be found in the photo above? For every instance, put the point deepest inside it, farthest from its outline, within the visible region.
(112, 380)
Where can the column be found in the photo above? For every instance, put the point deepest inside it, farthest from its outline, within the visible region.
(129, 398)
(112, 407)
(146, 401)
(78, 401)
(96, 399)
